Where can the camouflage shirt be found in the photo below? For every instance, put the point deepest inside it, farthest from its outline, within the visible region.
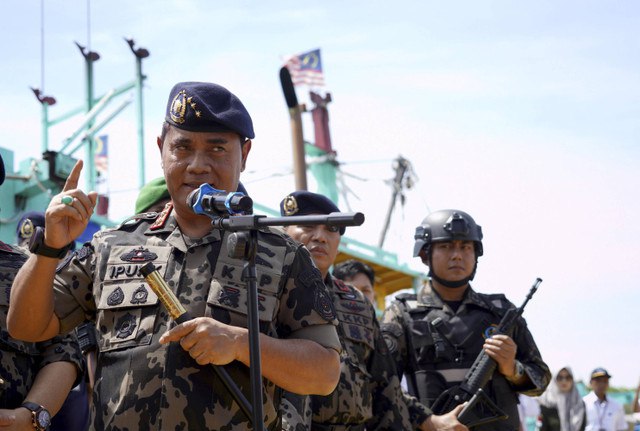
(368, 394)
(444, 351)
(141, 384)
(20, 361)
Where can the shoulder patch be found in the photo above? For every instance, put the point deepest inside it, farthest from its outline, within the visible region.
(323, 304)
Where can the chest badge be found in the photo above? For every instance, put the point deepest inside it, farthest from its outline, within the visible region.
(140, 295)
(116, 297)
(139, 255)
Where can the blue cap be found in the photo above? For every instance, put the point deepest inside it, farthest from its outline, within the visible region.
(303, 203)
(28, 224)
(1, 170)
(207, 107)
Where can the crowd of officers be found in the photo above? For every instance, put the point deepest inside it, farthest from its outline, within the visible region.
(327, 362)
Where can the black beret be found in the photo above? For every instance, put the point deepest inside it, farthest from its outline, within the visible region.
(1, 170)
(28, 224)
(207, 107)
(303, 203)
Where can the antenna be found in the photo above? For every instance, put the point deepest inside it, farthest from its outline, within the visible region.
(402, 179)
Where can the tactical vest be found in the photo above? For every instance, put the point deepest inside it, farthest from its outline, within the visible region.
(445, 345)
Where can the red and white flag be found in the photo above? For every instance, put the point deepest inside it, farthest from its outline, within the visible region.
(306, 69)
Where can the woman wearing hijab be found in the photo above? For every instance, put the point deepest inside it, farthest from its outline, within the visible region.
(561, 406)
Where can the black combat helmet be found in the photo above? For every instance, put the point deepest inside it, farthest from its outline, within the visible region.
(447, 225)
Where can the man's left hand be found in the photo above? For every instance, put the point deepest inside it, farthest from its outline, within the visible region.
(207, 340)
(502, 349)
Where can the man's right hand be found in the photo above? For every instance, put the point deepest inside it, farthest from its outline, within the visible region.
(446, 422)
(65, 222)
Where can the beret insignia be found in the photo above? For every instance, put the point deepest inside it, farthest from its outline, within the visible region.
(26, 229)
(179, 107)
(290, 205)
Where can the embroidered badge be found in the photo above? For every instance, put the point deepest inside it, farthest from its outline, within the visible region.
(290, 205)
(323, 305)
(140, 295)
(354, 332)
(116, 297)
(344, 291)
(126, 325)
(139, 254)
(162, 218)
(353, 306)
(230, 296)
(179, 106)
(490, 331)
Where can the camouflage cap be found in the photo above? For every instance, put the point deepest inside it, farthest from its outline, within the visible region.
(207, 107)
(302, 202)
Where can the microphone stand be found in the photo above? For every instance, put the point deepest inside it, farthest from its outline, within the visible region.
(243, 244)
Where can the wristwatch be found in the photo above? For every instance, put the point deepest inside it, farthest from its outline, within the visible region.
(40, 417)
(519, 372)
(37, 246)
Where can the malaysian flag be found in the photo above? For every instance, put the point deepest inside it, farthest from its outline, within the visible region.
(306, 69)
(101, 154)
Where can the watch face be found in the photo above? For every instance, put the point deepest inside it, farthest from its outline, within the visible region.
(44, 419)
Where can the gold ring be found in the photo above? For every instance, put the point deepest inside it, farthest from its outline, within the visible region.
(67, 200)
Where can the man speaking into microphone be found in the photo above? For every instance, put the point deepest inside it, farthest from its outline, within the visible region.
(151, 373)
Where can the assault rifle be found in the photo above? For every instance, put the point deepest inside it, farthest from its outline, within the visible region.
(480, 409)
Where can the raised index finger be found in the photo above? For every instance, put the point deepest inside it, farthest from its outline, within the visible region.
(74, 176)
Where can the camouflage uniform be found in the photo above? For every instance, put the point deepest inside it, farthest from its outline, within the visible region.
(21, 361)
(368, 395)
(141, 384)
(445, 354)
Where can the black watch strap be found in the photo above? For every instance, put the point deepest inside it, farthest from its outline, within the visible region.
(37, 246)
(36, 412)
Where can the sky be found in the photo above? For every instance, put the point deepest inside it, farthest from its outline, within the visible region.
(523, 114)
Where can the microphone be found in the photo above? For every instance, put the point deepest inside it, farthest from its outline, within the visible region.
(210, 201)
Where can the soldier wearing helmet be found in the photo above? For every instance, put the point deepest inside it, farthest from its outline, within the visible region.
(436, 335)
